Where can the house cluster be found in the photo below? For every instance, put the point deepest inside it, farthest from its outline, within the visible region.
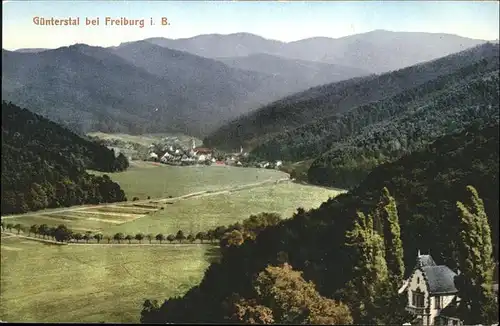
(173, 153)
(432, 295)
(176, 154)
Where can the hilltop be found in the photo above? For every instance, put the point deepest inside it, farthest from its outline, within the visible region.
(376, 51)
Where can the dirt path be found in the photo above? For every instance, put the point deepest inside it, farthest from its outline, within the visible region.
(147, 201)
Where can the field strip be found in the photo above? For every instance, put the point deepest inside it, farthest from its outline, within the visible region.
(146, 202)
(112, 214)
(61, 219)
(124, 208)
(103, 220)
(10, 248)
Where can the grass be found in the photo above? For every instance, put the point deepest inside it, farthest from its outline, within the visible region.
(86, 284)
(110, 282)
(160, 181)
(203, 213)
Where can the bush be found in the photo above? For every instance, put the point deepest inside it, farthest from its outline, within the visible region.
(135, 199)
(149, 197)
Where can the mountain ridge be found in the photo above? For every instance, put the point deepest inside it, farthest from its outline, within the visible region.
(317, 103)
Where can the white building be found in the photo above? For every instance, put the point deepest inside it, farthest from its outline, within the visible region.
(430, 289)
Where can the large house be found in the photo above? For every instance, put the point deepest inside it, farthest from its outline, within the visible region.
(431, 289)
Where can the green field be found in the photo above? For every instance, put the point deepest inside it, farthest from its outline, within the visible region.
(46, 283)
(160, 181)
(92, 283)
(202, 213)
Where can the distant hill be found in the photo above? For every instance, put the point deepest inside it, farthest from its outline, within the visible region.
(377, 51)
(153, 90)
(298, 74)
(426, 185)
(270, 125)
(43, 165)
(220, 46)
(31, 50)
(220, 92)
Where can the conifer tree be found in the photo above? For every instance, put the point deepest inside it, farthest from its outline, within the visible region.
(390, 305)
(475, 261)
(370, 272)
(392, 237)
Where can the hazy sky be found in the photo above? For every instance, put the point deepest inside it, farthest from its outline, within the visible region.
(285, 21)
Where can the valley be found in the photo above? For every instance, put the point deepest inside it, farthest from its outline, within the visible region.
(193, 199)
(316, 168)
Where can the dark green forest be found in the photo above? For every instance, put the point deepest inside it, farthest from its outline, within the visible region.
(326, 101)
(347, 147)
(426, 186)
(44, 165)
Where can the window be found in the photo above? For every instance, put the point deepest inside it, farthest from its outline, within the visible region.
(438, 302)
(417, 299)
(418, 280)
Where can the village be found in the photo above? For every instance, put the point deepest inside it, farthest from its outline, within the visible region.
(170, 151)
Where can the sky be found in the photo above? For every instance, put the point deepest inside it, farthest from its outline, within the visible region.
(281, 20)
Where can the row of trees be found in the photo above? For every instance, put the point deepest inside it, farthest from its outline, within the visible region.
(232, 235)
(63, 233)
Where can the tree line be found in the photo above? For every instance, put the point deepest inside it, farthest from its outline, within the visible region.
(232, 235)
(325, 243)
(44, 165)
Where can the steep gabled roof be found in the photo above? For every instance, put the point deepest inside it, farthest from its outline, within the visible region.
(440, 279)
(425, 260)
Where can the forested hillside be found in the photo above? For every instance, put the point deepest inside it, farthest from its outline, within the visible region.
(136, 88)
(351, 145)
(297, 75)
(426, 186)
(328, 102)
(43, 165)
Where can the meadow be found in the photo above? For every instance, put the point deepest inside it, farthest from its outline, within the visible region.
(89, 284)
(206, 212)
(109, 282)
(160, 181)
